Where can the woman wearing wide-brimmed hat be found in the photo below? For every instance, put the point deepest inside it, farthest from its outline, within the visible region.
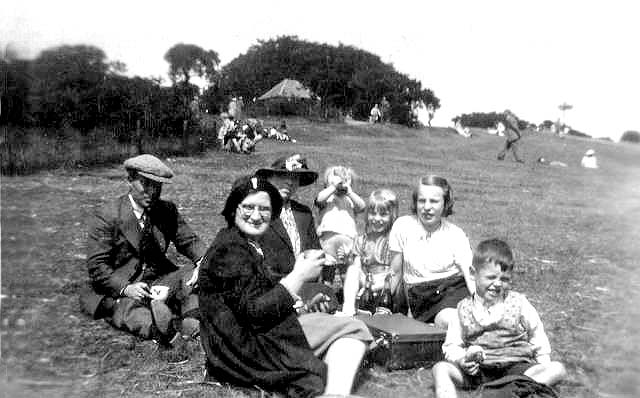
(295, 230)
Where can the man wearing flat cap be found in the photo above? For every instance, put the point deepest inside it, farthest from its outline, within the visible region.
(294, 231)
(127, 265)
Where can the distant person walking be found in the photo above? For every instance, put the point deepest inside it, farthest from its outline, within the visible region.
(385, 108)
(512, 132)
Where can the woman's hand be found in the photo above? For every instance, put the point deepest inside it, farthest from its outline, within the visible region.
(309, 264)
(321, 303)
(307, 268)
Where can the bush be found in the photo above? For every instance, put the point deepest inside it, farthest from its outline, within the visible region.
(26, 151)
(630, 136)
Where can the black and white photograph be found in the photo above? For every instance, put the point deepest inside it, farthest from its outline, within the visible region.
(331, 199)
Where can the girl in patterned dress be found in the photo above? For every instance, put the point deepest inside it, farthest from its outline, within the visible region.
(371, 248)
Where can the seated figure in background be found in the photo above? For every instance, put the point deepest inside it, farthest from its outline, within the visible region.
(589, 160)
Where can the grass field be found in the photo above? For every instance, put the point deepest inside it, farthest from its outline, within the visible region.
(575, 233)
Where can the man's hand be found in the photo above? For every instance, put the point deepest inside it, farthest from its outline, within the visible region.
(137, 291)
(194, 277)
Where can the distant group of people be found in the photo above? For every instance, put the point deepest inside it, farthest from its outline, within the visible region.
(380, 112)
(259, 299)
(242, 136)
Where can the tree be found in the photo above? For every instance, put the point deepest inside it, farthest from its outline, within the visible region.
(15, 80)
(68, 83)
(630, 136)
(346, 79)
(186, 60)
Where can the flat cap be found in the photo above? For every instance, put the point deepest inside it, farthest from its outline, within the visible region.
(149, 166)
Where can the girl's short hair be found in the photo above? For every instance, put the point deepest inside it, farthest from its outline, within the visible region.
(343, 172)
(493, 251)
(381, 198)
(438, 182)
(245, 186)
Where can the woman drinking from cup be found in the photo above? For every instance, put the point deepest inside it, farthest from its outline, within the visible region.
(254, 329)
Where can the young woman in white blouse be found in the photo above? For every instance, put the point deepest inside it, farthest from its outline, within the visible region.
(430, 256)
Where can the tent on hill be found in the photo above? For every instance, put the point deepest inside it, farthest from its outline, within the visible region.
(288, 89)
(288, 97)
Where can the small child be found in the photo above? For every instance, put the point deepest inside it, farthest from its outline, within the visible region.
(497, 332)
(338, 205)
(372, 247)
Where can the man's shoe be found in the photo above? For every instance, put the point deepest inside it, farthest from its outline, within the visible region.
(177, 353)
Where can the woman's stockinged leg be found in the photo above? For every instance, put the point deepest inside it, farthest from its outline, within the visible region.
(343, 360)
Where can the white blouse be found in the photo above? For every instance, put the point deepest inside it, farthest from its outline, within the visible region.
(429, 256)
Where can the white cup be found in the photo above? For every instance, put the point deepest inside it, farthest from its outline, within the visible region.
(159, 292)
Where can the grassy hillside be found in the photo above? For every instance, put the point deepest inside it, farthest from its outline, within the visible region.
(574, 232)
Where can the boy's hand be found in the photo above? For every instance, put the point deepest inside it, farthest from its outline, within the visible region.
(469, 367)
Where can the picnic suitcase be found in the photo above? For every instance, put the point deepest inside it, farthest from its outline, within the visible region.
(403, 342)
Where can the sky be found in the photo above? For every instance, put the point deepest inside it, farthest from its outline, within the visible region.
(477, 56)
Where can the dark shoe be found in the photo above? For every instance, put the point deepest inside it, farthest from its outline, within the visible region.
(177, 352)
(520, 161)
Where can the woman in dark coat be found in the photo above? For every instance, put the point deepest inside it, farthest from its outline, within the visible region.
(250, 328)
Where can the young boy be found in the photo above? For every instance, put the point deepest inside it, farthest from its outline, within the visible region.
(497, 331)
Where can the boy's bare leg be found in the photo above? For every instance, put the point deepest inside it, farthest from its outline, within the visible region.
(446, 377)
(547, 373)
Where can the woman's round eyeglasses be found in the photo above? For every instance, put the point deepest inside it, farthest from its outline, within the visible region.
(248, 209)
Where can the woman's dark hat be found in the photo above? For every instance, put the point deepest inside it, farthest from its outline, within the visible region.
(294, 165)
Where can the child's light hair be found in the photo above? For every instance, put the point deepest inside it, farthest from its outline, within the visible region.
(381, 199)
(345, 173)
(493, 251)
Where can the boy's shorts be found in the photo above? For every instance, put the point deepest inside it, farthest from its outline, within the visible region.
(494, 372)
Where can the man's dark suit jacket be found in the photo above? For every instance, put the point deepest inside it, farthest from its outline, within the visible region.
(113, 259)
(278, 251)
